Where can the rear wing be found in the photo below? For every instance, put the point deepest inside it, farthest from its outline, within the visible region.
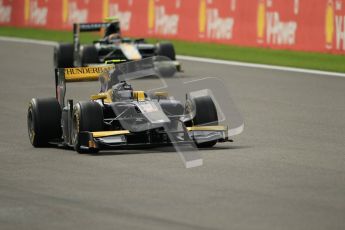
(90, 27)
(89, 73)
(84, 27)
(76, 74)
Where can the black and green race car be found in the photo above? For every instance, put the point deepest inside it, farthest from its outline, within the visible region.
(111, 47)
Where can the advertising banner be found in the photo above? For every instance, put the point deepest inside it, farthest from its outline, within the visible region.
(317, 25)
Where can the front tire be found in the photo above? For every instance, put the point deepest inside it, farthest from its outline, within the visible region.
(44, 121)
(87, 116)
(205, 114)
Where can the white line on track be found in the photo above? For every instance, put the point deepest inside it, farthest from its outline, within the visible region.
(260, 66)
(28, 41)
(198, 59)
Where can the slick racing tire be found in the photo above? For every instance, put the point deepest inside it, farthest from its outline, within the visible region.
(87, 116)
(89, 55)
(205, 114)
(44, 121)
(166, 49)
(63, 55)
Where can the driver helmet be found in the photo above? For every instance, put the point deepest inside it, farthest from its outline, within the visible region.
(113, 29)
(122, 91)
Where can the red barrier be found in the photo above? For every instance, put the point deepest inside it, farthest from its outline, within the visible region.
(317, 25)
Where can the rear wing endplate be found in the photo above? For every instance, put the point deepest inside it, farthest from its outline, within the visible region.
(84, 27)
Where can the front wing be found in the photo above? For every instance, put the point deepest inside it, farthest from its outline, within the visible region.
(124, 138)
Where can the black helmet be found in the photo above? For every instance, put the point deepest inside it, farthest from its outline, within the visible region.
(113, 27)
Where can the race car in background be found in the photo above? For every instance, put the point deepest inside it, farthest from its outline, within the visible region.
(111, 47)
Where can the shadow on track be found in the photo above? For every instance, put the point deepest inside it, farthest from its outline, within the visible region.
(162, 150)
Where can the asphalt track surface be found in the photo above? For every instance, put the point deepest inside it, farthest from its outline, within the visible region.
(286, 171)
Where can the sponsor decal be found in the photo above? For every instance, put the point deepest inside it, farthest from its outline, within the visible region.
(5, 12)
(85, 73)
(271, 29)
(335, 25)
(113, 9)
(211, 24)
(35, 13)
(72, 12)
(160, 21)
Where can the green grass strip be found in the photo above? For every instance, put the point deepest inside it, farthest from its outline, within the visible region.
(307, 60)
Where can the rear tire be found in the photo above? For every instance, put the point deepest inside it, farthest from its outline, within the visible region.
(87, 116)
(166, 49)
(63, 55)
(44, 121)
(89, 55)
(205, 114)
